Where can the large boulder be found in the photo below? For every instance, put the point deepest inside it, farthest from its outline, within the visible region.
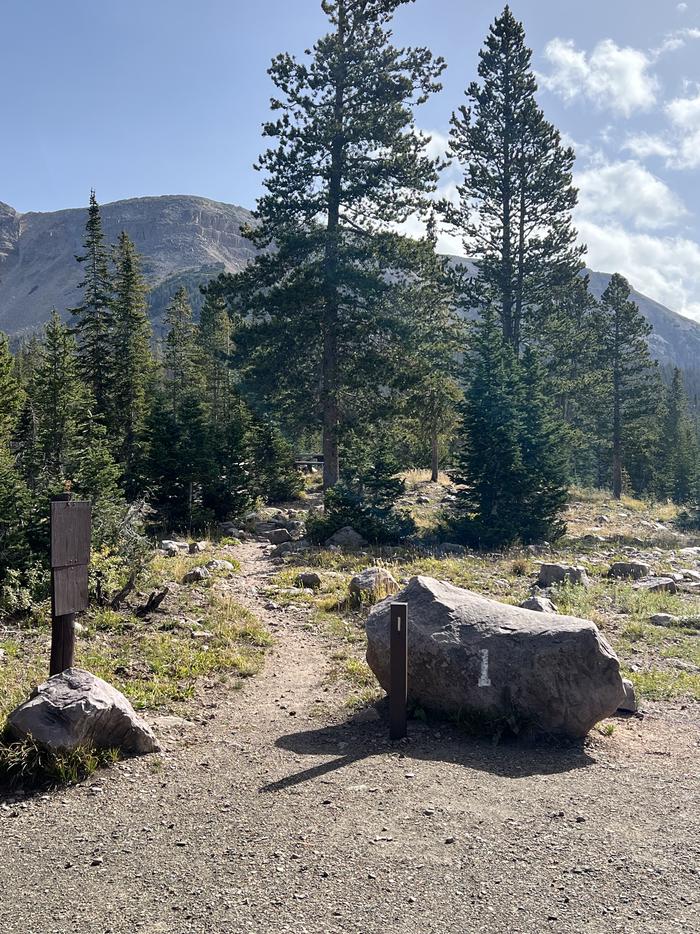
(346, 537)
(76, 708)
(629, 570)
(372, 584)
(466, 653)
(551, 574)
(539, 604)
(279, 536)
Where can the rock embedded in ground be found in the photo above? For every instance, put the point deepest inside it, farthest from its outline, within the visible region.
(196, 548)
(346, 537)
(503, 664)
(629, 703)
(450, 548)
(279, 536)
(372, 584)
(629, 570)
(76, 708)
(656, 585)
(663, 619)
(218, 564)
(539, 604)
(551, 574)
(194, 575)
(171, 543)
(289, 548)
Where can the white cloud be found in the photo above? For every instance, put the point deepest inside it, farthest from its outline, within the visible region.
(684, 114)
(613, 78)
(666, 269)
(682, 7)
(644, 145)
(627, 191)
(674, 41)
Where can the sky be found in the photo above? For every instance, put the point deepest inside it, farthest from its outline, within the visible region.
(150, 97)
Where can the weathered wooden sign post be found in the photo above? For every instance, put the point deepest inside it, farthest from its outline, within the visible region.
(398, 655)
(70, 557)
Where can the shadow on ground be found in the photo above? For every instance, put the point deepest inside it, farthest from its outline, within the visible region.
(366, 735)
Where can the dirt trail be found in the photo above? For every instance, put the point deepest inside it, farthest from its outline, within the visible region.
(271, 814)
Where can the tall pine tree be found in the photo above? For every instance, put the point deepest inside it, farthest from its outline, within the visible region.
(516, 199)
(93, 324)
(345, 163)
(678, 455)
(631, 381)
(131, 341)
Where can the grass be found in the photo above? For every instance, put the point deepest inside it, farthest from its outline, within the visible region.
(27, 764)
(156, 663)
(657, 684)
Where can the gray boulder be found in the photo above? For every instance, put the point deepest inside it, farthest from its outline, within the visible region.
(657, 585)
(466, 653)
(76, 708)
(551, 574)
(539, 605)
(450, 548)
(372, 584)
(629, 703)
(279, 536)
(290, 548)
(346, 537)
(196, 548)
(629, 570)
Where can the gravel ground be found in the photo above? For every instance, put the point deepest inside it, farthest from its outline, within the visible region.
(269, 814)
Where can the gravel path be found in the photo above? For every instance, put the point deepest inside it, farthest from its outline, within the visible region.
(270, 815)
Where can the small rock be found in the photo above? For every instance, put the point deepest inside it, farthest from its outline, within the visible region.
(551, 574)
(629, 704)
(539, 604)
(309, 579)
(450, 548)
(279, 536)
(196, 548)
(372, 584)
(195, 575)
(218, 564)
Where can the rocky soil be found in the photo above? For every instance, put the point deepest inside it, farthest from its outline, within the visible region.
(276, 809)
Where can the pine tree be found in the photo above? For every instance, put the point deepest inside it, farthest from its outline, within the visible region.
(544, 457)
(432, 394)
(59, 400)
(93, 317)
(490, 473)
(10, 391)
(679, 453)
(15, 513)
(131, 341)
(516, 199)
(568, 326)
(631, 381)
(181, 350)
(215, 338)
(345, 164)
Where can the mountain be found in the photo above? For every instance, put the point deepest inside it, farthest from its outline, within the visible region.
(186, 240)
(182, 239)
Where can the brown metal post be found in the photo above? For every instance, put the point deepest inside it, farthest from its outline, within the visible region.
(398, 651)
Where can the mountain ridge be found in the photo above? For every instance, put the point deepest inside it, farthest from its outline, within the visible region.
(185, 240)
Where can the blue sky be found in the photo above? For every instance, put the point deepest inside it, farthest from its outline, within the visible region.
(167, 96)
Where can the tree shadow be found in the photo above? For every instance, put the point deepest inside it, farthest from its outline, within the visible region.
(367, 735)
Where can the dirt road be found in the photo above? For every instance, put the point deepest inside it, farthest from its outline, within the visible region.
(269, 814)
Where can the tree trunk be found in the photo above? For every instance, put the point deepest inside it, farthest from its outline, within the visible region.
(434, 456)
(329, 376)
(617, 438)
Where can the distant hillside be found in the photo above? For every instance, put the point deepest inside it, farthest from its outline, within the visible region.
(186, 240)
(177, 236)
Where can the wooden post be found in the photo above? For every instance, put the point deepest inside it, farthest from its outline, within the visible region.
(398, 651)
(70, 556)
